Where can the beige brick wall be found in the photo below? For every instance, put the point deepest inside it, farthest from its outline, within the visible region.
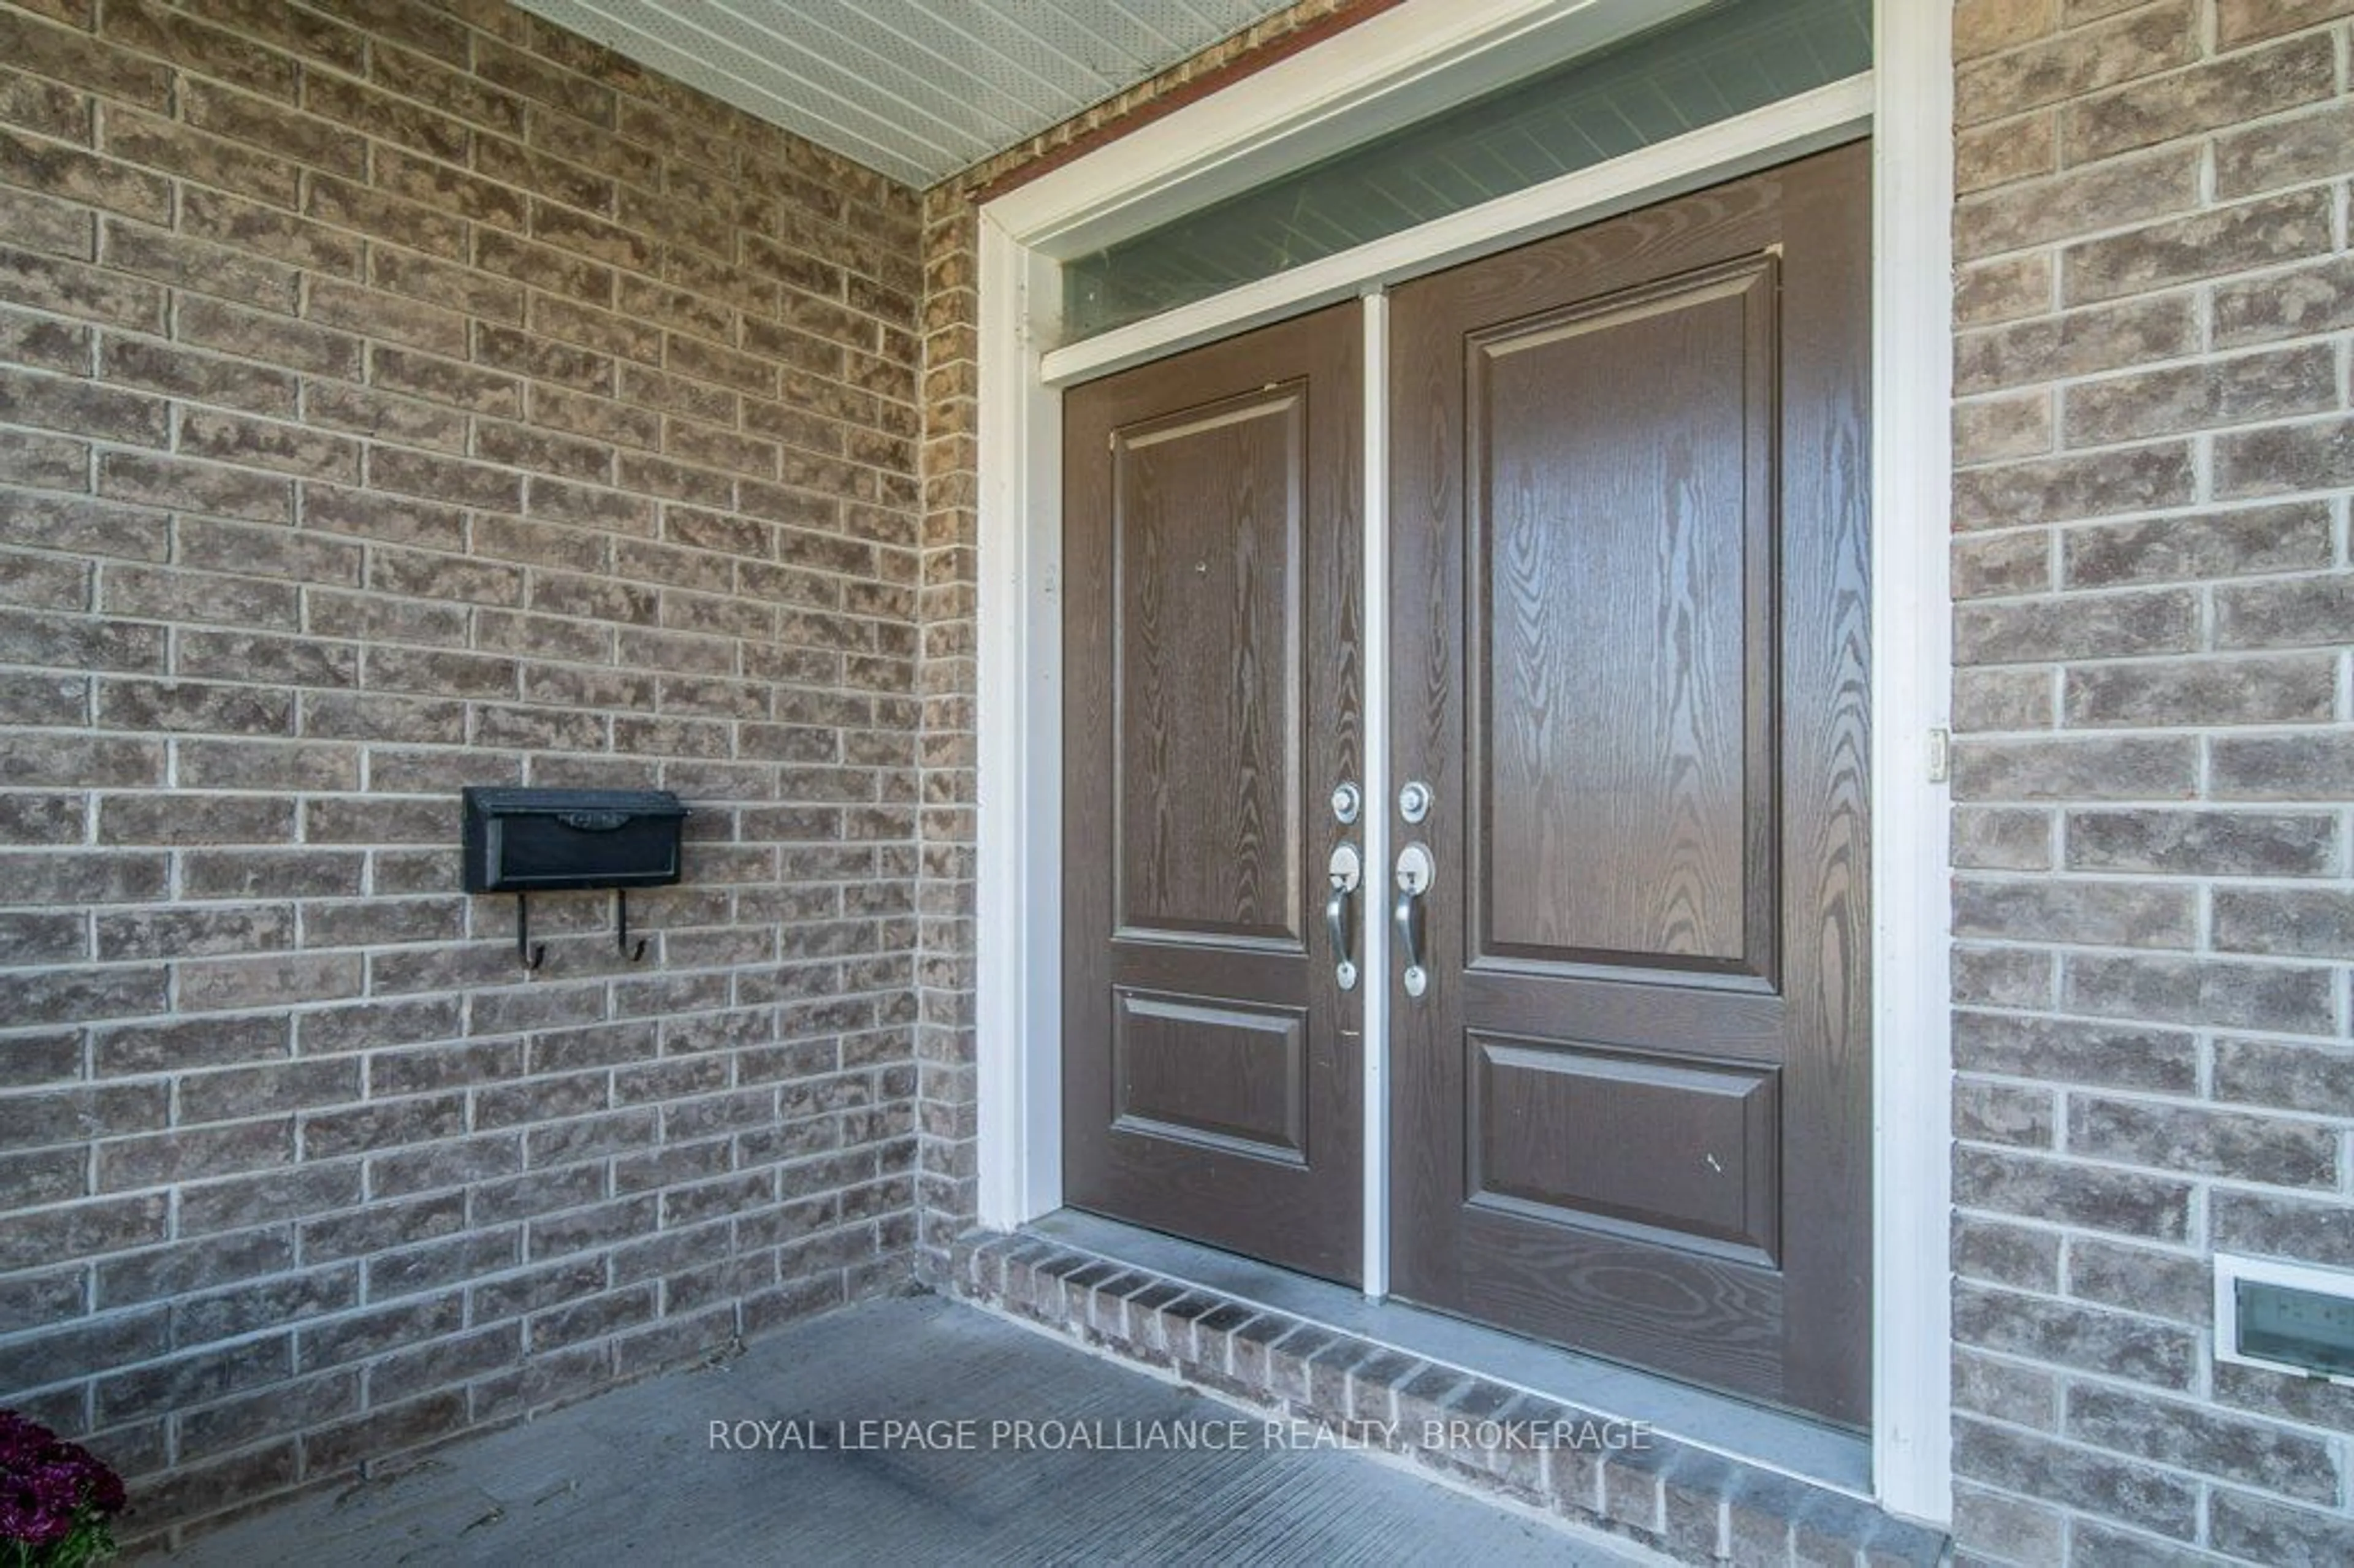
(2152, 902)
(948, 1085)
(395, 396)
(397, 393)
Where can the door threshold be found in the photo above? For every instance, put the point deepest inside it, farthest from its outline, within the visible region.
(1696, 1474)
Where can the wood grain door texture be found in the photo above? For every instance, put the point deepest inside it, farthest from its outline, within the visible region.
(1629, 593)
(1211, 561)
(1630, 1108)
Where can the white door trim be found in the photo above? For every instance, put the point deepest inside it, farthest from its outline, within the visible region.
(1912, 680)
(1158, 172)
(1018, 724)
(1374, 925)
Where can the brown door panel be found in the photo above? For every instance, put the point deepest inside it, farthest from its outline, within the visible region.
(1746, 1025)
(1550, 1125)
(1211, 568)
(1650, 792)
(1208, 574)
(1220, 1074)
(1277, 979)
(1700, 1318)
(1629, 593)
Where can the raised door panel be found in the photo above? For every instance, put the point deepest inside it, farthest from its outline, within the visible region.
(1620, 509)
(1224, 1075)
(1676, 1150)
(1206, 545)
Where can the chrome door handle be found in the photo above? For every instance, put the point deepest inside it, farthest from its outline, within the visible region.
(1416, 871)
(1346, 870)
(1336, 921)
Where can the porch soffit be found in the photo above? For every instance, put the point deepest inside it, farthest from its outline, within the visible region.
(917, 90)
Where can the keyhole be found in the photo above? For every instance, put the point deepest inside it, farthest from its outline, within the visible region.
(1201, 568)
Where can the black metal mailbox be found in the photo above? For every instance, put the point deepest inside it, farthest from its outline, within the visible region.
(556, 840)
(551, 841)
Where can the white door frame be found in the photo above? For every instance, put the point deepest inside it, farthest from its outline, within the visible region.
(1390, 69)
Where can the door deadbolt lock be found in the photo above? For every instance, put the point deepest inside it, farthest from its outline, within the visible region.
(1347, 801)
(1416, 871)
(1346, 870)
(1413, 802)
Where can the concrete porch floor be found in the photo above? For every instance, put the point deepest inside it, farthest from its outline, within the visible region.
(635, 1477)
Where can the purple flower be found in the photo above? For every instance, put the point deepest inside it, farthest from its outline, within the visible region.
(106, 1493)
(53, 1491)
(27, 1514)
(20, 1439)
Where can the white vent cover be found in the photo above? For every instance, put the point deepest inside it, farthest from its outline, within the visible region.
(2289, 1317)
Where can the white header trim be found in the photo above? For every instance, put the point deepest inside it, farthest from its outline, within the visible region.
(1388, 71)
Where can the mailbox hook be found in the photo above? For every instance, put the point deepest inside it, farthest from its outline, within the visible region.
(532, 957)
(621, 927)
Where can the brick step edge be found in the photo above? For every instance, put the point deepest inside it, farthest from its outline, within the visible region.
(1685, 1502)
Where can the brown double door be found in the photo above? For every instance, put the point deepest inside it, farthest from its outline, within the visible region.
(1630, 1107)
